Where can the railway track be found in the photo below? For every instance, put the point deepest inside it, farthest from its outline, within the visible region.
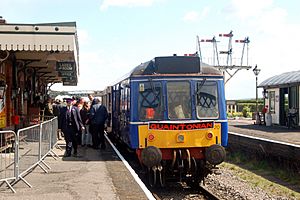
(208, 194)
(174, 190)
(180, 191)
(177, 191)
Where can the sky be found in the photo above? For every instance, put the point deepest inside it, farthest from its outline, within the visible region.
(117, 35)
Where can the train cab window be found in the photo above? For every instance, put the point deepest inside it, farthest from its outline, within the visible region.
(150, 101)
(179, 100)
(207, 99)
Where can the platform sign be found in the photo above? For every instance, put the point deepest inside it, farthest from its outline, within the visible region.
(69, 78)
(65, 66)
(69, 83)
(67, 73)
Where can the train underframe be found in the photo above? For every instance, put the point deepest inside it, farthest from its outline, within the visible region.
(188, 165)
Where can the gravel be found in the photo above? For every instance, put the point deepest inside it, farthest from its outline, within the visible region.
(224, 183)
(227, 185)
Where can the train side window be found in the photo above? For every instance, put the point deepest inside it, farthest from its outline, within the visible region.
(179, 100)
(150, 101)
(207, 99)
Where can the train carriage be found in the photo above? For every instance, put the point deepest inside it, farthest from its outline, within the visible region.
(171, 111)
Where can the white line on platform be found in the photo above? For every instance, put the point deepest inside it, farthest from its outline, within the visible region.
(135, 176)
(264, 139)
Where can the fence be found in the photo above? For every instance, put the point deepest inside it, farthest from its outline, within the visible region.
(21, 152)
(7, 158)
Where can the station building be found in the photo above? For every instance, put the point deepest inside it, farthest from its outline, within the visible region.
(33, 57)
(281, 94)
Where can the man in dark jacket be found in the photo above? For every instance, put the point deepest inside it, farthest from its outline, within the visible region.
(71, 124)
(92, 99)
(98, 115)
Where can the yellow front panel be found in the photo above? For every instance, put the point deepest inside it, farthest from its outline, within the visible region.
(172, 138)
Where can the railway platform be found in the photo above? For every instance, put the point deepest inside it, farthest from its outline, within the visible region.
(92, 174)
(274, 132)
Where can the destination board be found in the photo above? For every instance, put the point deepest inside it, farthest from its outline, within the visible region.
(181, 126)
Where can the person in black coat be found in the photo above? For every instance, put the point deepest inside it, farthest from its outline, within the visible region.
(98, 115)
(92, 99)
(71, 124)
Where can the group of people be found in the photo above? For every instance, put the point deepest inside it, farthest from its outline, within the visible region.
(81, 122)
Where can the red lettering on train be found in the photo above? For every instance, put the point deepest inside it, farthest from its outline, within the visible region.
(196, 126)
(184, 126)
(153, 126)
(209, 125)
(189, 127)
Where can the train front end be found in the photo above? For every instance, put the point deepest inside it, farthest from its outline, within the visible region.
(181, 124)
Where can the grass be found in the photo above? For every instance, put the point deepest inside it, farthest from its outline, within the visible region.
(259, 174)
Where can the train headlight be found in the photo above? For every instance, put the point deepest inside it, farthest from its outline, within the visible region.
(180, 137)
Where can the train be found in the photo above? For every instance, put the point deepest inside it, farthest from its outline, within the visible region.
(171, 112)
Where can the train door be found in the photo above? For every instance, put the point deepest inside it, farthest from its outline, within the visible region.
(116, 109)
(125, 111)
(107, 101)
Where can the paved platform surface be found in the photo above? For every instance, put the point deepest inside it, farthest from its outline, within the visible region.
(274, 132)
(93, 174)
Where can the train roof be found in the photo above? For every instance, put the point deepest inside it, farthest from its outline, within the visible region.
(174, 65)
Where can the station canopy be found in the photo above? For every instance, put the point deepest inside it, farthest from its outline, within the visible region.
(282, 80)
(42, 47)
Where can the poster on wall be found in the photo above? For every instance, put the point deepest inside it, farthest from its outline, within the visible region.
(2, 101)
(3, 118)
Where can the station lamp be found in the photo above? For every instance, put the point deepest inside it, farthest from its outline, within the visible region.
(256, 72)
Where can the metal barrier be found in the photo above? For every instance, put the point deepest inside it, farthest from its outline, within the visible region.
(32, 119)
(30, 145)
(54, 136)
(7, 158)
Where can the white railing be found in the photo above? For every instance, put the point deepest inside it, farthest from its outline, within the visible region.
(21, 152)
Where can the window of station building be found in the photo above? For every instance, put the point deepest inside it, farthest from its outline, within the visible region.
(179, 100)
(207, 99)
(150, 101)
(272, 101)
